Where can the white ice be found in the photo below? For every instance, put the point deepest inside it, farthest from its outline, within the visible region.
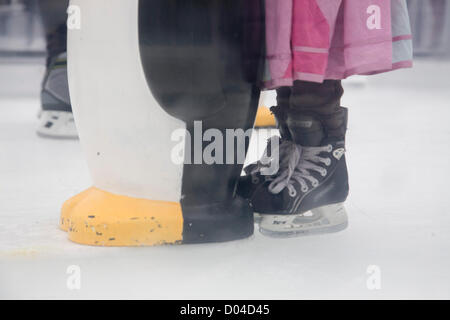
(399, 210)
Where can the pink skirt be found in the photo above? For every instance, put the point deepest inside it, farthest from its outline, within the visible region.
(314, 40)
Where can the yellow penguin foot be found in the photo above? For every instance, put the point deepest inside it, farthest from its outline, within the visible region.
(99, 218)
(264, 118)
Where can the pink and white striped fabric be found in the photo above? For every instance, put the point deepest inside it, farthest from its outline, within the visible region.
(314, 40)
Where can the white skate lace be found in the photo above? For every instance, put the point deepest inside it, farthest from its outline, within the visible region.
(264, 165)
(296, 165)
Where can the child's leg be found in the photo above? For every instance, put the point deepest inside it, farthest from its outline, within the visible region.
(323, 100)
(53, 14)
(306, 194)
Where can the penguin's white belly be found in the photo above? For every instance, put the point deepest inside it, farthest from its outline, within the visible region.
(125, 134)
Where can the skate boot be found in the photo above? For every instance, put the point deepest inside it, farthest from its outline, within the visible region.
(257, 172)
(56, 118)
(306, 196)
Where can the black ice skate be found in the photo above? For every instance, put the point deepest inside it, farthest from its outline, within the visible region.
(306, 196)
(56, 118)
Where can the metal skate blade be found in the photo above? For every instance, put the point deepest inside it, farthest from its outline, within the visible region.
(57, 125)
(327, 219)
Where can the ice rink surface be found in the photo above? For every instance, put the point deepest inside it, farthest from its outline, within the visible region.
(399, 210)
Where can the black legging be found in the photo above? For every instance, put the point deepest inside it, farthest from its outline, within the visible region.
(54, 17)
(322, 99)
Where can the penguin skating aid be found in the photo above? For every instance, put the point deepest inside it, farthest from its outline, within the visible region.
(179, 62)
